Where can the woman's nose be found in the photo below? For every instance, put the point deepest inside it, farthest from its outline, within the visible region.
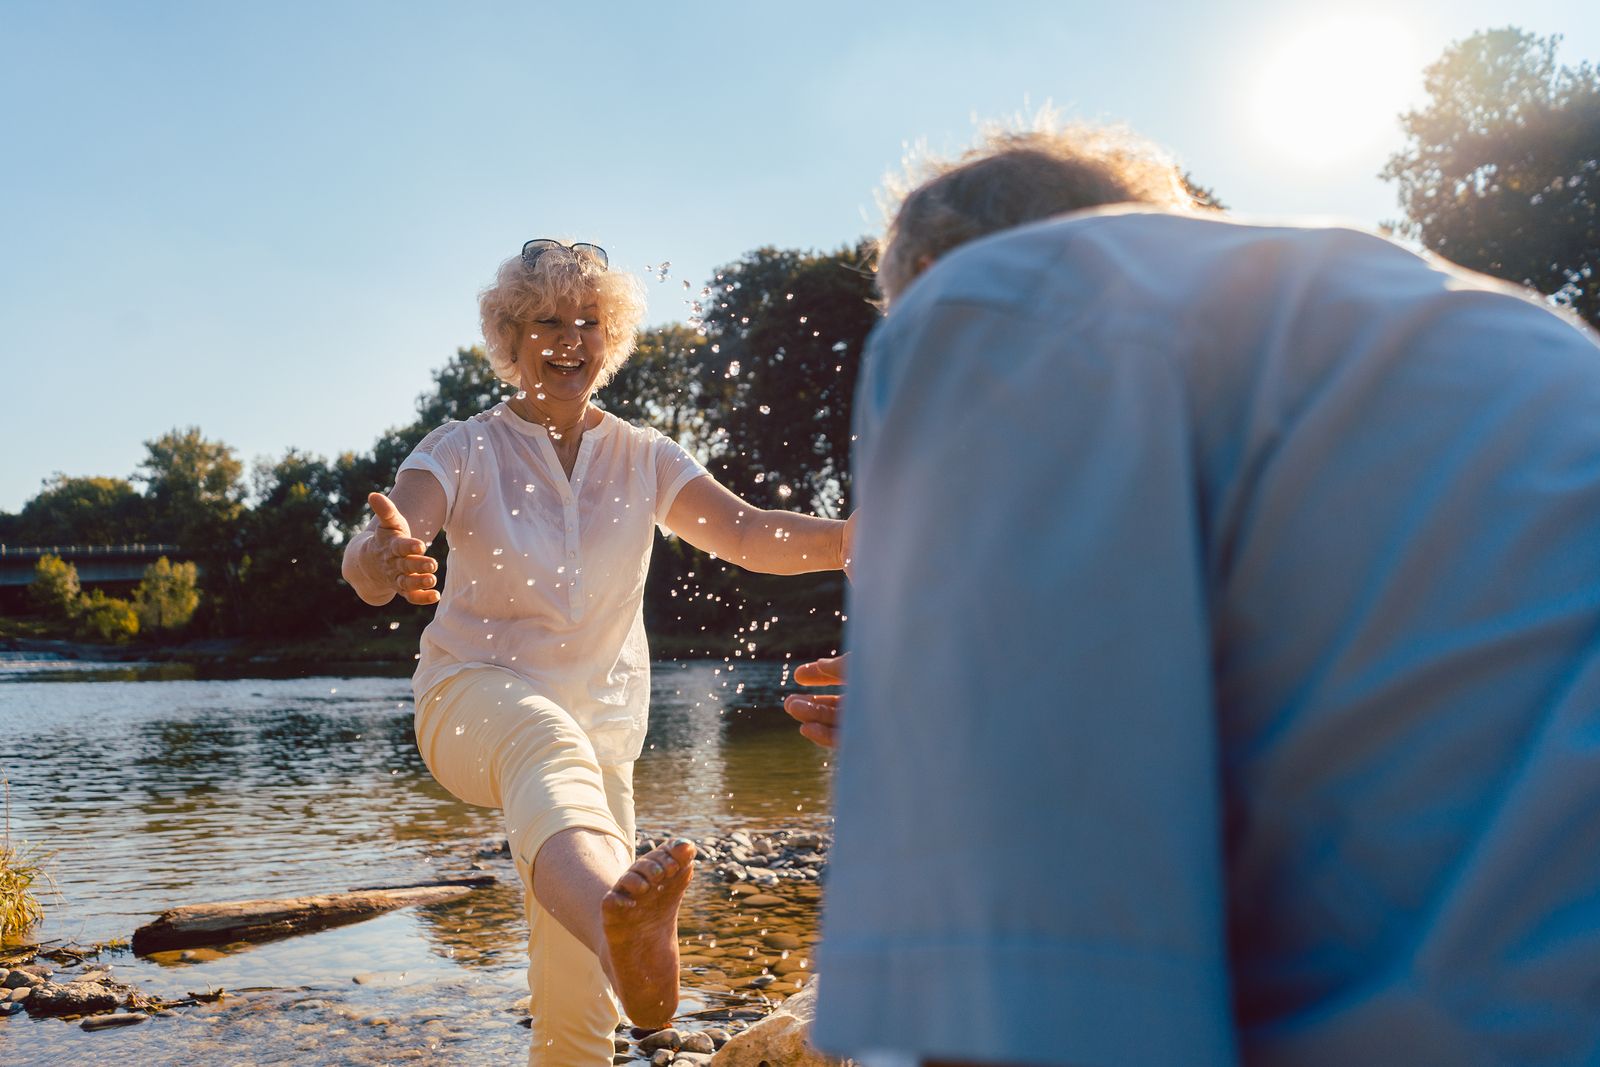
(569, 336)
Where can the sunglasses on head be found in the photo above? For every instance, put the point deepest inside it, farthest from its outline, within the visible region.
(534, 249)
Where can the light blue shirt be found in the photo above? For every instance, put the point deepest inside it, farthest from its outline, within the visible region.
(1226, 677)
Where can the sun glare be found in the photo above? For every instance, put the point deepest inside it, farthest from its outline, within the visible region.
(1333, 90)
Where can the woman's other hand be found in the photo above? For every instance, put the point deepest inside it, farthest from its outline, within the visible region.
(819, 714)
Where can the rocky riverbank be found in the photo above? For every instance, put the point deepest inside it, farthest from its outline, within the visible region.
(746, 936)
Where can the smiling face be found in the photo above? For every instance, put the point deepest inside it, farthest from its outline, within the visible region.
(561, 353)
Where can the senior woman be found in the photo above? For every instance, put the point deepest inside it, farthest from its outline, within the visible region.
(533, 682)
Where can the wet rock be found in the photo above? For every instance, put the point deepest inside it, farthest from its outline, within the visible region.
(692, 1057)
(106, 1022)
(20, 977)
(661, 1057)
(382, 978)
(718, 1037)
(698, 1041)
(763, 877)
(779, 1038)
(75, 998)
(762, 900)
(5, 972)
(619, 1043)
(661, 1039)
(620, 1057)
(17, 995)
(782, 940)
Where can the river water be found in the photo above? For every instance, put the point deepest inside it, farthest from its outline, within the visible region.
(153, 787)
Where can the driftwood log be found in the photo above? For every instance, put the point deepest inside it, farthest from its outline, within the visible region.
(194, 925)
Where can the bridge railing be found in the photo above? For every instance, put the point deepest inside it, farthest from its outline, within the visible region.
(64, 551)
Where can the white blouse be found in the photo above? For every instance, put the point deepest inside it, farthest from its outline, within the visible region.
(545, 576)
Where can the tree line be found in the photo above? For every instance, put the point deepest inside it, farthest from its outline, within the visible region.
(1500, 172)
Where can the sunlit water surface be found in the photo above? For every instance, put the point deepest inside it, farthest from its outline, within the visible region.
(154, 788)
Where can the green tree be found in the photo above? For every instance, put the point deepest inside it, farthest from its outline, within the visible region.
(55, 590)
(289, 581)
(195, 494)
(785, 330)
(1501, 169)
(78, 511)
(193, 487)
(107, 618)
(660, 386)
(167, 596)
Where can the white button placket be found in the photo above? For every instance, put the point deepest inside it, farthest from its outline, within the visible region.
(569, 504)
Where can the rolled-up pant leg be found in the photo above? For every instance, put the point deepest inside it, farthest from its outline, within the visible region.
(491, 739)
(576, 1002)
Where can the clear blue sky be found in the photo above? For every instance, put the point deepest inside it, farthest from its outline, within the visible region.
(270, 220)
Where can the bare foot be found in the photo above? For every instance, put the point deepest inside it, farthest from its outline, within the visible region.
(640, 920)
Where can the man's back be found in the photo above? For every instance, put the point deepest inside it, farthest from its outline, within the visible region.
(1238, 590)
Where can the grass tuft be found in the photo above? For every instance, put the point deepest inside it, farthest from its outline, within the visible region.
(21, 868)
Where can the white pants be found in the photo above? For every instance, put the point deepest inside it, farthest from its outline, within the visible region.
(491, 739)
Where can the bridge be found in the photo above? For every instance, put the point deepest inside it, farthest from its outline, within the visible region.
(97, 565)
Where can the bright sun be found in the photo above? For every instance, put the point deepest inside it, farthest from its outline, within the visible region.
(1334, 90)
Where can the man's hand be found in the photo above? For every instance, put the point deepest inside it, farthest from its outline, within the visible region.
(819, 713)
(400, 560)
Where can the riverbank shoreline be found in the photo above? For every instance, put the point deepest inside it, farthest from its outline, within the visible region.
(386, 646)
(742, 956)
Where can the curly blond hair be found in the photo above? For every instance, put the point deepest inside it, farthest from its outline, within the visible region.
(1013, 177)
(522, 294)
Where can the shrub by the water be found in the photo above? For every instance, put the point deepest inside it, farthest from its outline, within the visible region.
(107, 618)
(167, 597)
(55, 590)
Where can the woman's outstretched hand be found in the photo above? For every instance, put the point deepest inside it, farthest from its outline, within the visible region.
(398, 558)
(818, 713)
